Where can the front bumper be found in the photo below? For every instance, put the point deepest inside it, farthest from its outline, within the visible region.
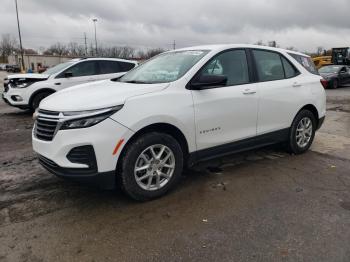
(9, 97)
(103, 137)
(105, 180)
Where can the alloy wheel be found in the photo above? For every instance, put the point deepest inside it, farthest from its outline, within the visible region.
(304, 132)
(154, 167)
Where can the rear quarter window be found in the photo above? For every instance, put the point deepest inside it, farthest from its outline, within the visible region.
(306, 62)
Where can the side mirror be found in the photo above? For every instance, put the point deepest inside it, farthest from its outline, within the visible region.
(68, 74)
(209, 81)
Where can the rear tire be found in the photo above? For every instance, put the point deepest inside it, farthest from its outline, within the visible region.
(302, 132)
(335, 84)
(150, 166)
(37, 99)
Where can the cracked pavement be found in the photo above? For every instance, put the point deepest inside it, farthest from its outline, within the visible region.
(262, 205)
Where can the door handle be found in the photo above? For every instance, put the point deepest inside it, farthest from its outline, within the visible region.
(249, 92)
(297, 84)
(57, 84)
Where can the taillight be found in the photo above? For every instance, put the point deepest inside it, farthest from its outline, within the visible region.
(324, 83)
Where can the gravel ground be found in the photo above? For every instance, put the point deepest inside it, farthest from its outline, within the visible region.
(263, 205)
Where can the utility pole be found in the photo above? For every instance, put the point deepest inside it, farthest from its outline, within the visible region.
(174, 45)
(20, 38)
(95, 20)
(86, 49)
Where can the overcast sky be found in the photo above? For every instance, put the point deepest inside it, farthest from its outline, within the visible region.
(304, 24)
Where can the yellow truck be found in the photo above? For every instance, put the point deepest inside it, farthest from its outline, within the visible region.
(320, 61)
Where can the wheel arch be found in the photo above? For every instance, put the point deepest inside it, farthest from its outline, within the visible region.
(312, 109)
(41, 90)
(162, 128)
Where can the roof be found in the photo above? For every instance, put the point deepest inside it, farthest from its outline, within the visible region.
(227, 46)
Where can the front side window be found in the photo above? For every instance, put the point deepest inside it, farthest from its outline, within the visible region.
(57, 68)
(164, 68)
(82, 69)
(269, 65)
(232, 64)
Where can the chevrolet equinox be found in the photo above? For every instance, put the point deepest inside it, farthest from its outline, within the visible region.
(140, 130)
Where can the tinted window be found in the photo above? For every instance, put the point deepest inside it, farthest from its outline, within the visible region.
(109, 67)
(82, 69)
(269, 65)
(233, 64)
(289, 69)
(125, 66)
(306, 62)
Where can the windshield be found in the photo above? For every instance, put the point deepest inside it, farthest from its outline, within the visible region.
(164, 68)
(57, 68)
(329, 69)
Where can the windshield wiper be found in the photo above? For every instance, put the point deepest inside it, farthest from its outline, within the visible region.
(134, 82)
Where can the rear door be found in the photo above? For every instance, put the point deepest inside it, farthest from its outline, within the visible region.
(226, 114)
(281, 91)
(83, 72)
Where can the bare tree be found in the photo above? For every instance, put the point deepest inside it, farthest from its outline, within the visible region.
(30, 51)
(57, 49)
(74, 49)
(8, 45)
(149, 53)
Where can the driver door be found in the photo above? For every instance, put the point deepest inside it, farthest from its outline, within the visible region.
(229, 113)
(80, 73)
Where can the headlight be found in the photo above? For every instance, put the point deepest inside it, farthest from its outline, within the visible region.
(21, 84)
(83, 119)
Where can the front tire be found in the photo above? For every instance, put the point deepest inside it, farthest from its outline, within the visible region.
(151, 166)
(37, 99)
(302, 132)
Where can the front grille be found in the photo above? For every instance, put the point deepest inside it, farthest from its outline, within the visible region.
(46, 125)
(49, 113)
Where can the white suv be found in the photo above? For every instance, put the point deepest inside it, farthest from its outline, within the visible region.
(181, 107)
(25, 91)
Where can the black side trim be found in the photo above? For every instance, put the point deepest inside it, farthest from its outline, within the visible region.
(320, 122)
(239, 146)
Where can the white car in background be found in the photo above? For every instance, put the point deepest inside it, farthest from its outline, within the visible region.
(140, 130)
(26, 91)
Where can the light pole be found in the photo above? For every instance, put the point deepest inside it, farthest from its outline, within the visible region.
(20, 38)
(95, 20)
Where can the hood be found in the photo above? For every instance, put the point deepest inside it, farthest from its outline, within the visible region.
(96, 95)
(28, 76)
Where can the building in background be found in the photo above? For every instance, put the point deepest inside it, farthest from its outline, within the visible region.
(38, 62)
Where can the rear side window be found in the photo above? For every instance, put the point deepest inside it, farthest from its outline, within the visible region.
(306, 62)
(289, 69)
(125, 66)
(269, 65)
(109, 67)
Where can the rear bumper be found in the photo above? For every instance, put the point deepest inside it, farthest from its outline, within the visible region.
(104, 180)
